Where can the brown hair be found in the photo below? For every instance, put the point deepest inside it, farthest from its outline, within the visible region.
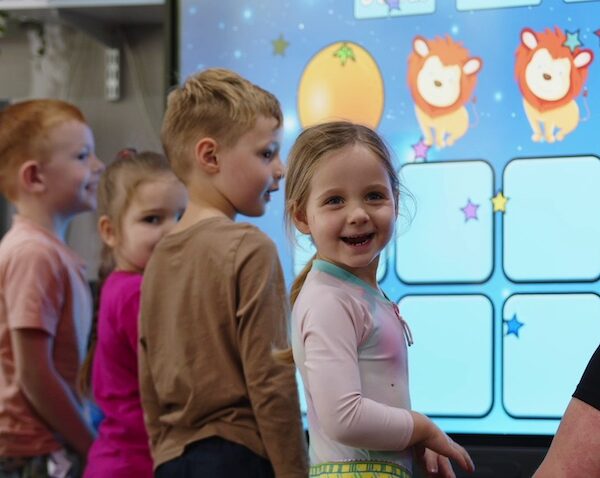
(310, 148)
(117, 187)
(24, 135)
(216, 103)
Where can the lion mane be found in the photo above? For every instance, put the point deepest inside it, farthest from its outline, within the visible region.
(450, 53)
(553, 42)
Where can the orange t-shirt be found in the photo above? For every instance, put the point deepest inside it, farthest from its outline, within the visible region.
(42, 286)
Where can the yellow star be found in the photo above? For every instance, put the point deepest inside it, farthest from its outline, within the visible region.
(499, 201)
(280, 45)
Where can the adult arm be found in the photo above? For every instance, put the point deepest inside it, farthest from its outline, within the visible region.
(588, 390)
(45, 389)
(575, 449)
(261, 322)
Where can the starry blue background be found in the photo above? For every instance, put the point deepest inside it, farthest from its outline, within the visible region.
(239, 35)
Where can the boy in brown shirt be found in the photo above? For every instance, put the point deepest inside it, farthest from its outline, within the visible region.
(213, 308)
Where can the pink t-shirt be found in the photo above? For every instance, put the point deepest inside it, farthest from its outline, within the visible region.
(42, 286)
(121, 449)
(350, 347)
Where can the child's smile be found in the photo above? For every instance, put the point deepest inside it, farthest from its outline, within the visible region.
(350, 212)
(358, 240)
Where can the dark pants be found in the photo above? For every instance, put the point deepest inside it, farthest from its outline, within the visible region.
(216, 457)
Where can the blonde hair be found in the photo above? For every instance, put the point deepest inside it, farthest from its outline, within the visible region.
(310, 148)
(118, 184)
(24, 135)
(308, 151)
(216, 103)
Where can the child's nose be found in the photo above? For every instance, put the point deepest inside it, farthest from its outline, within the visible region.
(358, 215)
(97, 165)
(279, 170)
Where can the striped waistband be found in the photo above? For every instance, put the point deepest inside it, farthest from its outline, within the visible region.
(359, 469)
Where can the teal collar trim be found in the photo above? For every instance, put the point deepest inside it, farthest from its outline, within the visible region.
(342, 274)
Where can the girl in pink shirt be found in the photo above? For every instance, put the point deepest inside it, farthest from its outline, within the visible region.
(348, 339)
(139, 201)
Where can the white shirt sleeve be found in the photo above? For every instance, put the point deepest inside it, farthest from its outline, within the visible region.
(332, 330)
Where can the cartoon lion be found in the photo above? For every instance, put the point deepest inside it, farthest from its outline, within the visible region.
(441, 78)
(550, 77)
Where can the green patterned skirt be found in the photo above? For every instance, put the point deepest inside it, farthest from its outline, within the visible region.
(359, 469)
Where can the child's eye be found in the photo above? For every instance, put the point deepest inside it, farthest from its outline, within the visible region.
(374, 196)
(83, 155)
(152, 219)
(178, 216)
(334, 200)
(270, 151)
(269, 155)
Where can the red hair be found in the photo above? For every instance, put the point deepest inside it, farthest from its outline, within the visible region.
(24, 131)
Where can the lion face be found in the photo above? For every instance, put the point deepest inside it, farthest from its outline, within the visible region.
(548, 78)
(441, 75)
(548, 73)
(439, 85)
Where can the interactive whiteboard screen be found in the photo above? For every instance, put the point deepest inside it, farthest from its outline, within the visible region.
(492, 109)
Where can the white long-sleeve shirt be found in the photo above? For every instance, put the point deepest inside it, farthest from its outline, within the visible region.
(349, 344)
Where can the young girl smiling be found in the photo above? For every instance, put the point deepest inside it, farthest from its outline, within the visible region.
(349, 340)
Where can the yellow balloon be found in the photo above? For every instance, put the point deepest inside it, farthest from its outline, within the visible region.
(342, 81)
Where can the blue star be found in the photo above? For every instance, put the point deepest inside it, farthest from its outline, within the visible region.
(572, 41)
(513, 325)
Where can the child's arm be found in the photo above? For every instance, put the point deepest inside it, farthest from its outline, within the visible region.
(129, 313)
(45, 389)
(332, 329)
(272, 388)
(34, 294)
(332, 333)
(129, 327)
(148, 396)
(433, 448)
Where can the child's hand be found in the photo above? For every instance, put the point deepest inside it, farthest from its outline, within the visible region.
(433, 448)
(433, 464)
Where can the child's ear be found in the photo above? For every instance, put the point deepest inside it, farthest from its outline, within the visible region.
(30, 177)
(205, 154)
(107, 231)
(300, 221)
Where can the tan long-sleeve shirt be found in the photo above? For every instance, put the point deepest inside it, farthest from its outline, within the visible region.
(213, 307)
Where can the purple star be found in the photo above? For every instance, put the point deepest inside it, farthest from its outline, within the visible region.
(393, 4)
(420, 150)
(470, 210)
